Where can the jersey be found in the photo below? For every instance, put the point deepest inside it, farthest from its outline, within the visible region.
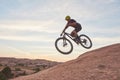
(71, 21)
(77, 26)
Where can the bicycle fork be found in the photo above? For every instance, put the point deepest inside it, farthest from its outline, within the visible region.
(64, 42)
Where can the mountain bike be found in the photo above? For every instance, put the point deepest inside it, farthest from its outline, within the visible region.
(64, 45)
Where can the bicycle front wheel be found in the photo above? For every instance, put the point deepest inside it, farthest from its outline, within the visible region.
(85, 41)
(63, 45)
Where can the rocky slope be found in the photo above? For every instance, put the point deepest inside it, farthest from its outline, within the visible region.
(26, 62)
(99, 64)
(21, 66)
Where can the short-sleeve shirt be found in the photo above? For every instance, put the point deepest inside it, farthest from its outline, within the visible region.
(71, 21)
(78, 25)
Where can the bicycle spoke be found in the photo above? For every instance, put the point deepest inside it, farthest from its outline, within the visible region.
(63, 45)
(85, 41)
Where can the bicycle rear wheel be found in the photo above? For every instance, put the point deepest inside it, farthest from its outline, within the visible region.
(85, 41)
(64, 45)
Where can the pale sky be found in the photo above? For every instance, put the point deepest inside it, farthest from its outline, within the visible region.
(29, 28)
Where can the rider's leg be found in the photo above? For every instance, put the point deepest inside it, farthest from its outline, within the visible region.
(74, 34)
(76, 38)
(77, 29)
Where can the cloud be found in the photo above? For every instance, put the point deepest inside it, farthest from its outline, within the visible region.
(41, 38)
(29, 25)
(104, 40)
(39, 22)
(36, 10)
(9, 51)
(102, 29)
(47, 10)
(28, 30)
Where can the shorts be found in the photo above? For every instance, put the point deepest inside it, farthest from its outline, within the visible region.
(78, 27)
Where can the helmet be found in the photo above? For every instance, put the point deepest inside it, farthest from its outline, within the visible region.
(67, 18)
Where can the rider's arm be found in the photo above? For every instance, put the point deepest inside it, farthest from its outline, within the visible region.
(65, 28)
(69, 24)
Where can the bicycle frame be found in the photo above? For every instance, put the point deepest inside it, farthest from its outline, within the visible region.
(85, 42)
(68, 35)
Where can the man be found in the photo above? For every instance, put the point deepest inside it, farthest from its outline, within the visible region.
(77, 26)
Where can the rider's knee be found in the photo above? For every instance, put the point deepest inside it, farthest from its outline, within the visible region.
(73, 34)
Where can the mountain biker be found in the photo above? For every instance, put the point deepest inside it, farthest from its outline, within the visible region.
(74, 24)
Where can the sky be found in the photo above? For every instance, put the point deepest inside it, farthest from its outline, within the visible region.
(29, 28)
